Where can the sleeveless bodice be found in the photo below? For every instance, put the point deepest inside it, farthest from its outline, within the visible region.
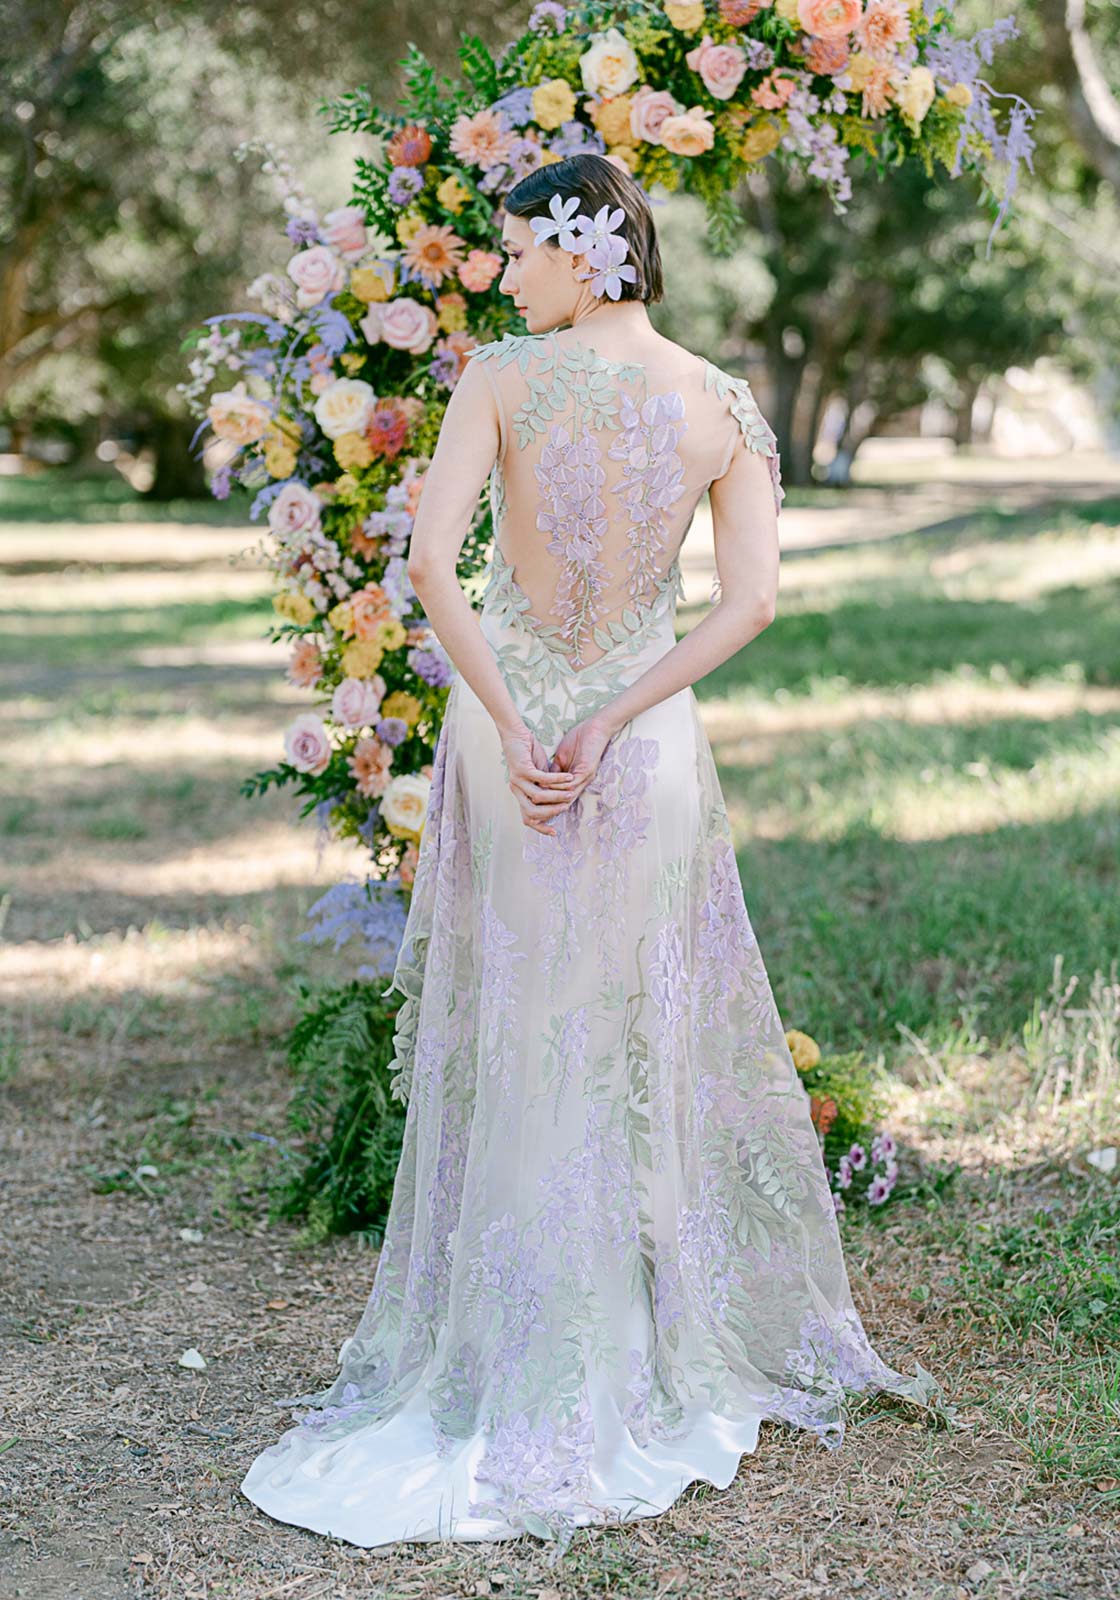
(600, 468)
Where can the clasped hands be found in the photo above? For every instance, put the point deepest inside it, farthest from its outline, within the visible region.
(544, 787)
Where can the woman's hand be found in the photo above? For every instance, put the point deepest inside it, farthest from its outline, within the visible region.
(580, 751)
(540, 791)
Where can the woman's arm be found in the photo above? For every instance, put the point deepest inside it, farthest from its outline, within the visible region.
(468, 443)
(464, 454)
(745, 528)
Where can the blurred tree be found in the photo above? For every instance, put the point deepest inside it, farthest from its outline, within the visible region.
(124, 219)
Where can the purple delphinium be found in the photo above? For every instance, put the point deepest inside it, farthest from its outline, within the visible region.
(431, 663)
(302, 230)
(548, 13)
(444, 366)
(404, 184)
(219, 484)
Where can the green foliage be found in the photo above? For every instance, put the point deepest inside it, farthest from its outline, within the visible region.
(860, 1093)
(349, 1126)
(479, 68)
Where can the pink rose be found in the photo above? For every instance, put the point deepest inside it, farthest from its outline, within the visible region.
(648, 110)
(479, 270)
(721, 66)
(828, 19)
(407, 325)
(356, 701)
(689, 134)
(315, 273)
(295, 510)
(307, 745)
(306, 666)
(345, 231)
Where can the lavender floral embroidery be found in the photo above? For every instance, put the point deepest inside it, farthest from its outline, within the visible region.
(653, 479)
(571, 478)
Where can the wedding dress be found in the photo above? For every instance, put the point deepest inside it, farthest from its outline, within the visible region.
(612, 1249)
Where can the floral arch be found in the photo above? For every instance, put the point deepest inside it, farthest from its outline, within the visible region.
(341, 380)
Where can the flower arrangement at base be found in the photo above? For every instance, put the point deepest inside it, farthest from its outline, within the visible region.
(847, 1102)
(327, 402)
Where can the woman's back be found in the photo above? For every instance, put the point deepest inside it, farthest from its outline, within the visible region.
(601, 465)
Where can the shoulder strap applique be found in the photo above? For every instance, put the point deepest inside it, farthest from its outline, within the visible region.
(753, 426)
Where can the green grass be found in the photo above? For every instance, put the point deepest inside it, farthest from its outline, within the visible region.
(64, 495)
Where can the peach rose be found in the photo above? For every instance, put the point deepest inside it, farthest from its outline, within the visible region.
(828, 19)
(369, 608)
(688, 134)
(721, 66)
(345, 231)
(295, 510)
(356, 700)
(407, 325)
(236, 416)
(307, 745)
(316, 273)
(648, 111)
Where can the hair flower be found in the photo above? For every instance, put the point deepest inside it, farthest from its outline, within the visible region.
(598, 241)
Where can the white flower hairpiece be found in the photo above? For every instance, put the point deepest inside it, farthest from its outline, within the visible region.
(598, 240)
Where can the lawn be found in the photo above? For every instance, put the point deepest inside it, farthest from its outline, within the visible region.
(921, 759)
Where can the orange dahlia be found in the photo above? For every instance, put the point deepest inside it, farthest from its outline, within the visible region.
(409, 147)
(434, 252)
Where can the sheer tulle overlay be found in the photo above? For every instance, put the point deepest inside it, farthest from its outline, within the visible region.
(611, 1252)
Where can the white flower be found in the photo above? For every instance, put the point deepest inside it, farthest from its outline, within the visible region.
(404, 804)
(344, 407)
(610, 65)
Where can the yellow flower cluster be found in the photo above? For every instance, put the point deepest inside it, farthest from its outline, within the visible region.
(402, 704)
(804, 1049)
(353, 450)
(361, 658)
(452, 194)
(687, 15)
(293, 607)
(553, 102)
(373, 283)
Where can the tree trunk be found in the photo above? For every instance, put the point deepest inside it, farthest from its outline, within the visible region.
(178, 476)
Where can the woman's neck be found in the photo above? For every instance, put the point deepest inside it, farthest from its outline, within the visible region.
(629, 317)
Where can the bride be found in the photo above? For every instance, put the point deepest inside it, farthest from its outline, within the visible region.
(612, 1251)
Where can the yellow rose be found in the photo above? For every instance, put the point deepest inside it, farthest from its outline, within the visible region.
(408, 225)
(787, 11)
(341, 618)
(804, 1049)
(402, 704)
(916, 95)
(351, 361)
(353, 450)
(612, 118)
(279, 461)
(553, 102)
(959, 94)
(452, 194)
(373, 283)
(362, 659)
(759, 140)
(295, 607)
(391, 633)
(687, 15)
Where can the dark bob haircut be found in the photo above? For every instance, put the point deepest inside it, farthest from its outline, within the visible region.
(597, 182)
